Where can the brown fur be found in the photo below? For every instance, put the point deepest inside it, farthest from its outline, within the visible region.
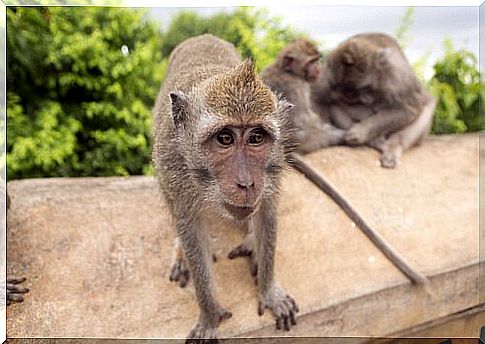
(368, 88)
(207, 97)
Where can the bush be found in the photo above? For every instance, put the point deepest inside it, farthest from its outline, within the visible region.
(81, 83)
(456, 84)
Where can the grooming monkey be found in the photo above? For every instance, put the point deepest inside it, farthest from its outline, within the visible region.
(369, 89)
(221, 141)
(291, 75)
(295, 68)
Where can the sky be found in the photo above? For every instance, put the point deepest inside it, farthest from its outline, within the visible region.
(333, 24)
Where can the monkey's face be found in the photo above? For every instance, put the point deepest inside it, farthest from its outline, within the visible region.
(238, 156)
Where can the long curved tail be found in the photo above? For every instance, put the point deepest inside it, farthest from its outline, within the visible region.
(398, 261)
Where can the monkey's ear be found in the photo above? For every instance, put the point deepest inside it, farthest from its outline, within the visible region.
(287, 62)
(179, 107)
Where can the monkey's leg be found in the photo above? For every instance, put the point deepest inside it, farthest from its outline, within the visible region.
(180, 271)
(193, 239)
(247, 249)
(408, 137)
(14, 292)
(271, 295)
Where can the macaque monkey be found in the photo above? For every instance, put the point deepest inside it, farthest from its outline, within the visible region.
(295, 68)
(221, 140)
(369, 89)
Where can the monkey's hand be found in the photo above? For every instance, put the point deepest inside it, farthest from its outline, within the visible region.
(205, 332)
(358, 134)
(282, 305)
(14, 292)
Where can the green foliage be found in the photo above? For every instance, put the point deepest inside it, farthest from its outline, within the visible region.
(405, 24)
(77, 105)
(251, 30)
(81, 83)
(456, 84)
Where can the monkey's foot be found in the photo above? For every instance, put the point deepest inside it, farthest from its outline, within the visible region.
(14, 292)
(388, 160)
(207, 333)
(180, 273)
(245, 250)
(282, 305)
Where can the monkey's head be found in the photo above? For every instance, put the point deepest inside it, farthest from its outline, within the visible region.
(355, 67)
(301, 58)
(235, 138)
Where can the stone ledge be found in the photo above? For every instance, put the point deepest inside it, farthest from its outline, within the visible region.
(97, 251)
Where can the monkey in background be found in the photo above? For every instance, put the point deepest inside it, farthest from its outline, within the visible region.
(295, 69)
(369, 89)
(221, 140)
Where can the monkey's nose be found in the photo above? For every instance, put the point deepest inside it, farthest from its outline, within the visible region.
(245, 185)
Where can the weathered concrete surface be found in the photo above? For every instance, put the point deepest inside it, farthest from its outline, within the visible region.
(97, 251)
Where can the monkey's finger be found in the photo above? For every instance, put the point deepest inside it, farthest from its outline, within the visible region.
(295, 306)
(254, 269)
(14, 297)
(287, 323)
(292, 318)
(183, 281)
(261, 308)
(16, 280)
(239, 251)
(225, 314)
(15, 289)
(280, 322)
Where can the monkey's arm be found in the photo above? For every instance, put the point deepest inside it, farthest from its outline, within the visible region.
(373, 235)
(340, 117)
(382, 123)
(271, 295)
(194, 243)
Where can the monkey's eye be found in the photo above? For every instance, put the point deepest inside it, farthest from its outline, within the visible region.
(225, 137)
(256, 137)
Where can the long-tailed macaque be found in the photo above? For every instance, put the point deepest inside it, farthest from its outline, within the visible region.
(221, 140)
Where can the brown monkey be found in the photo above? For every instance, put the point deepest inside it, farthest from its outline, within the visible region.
(369, 89)
(221, 141)
(295, 68)
(14, 291)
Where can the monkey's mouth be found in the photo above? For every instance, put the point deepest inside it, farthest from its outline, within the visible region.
(237, 211)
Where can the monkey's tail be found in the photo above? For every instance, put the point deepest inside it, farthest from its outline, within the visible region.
(373, 235)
